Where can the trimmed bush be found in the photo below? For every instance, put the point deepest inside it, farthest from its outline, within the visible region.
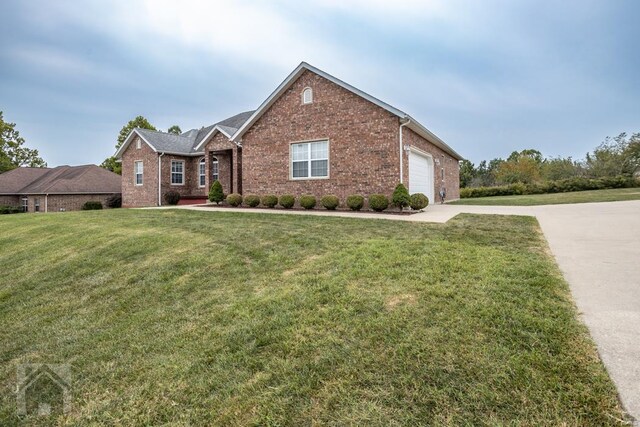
(330, 202)
(92, 205)
(355, 202)
(5, 210)
(287, 201)
(114, 201)
(216, 194)
(252, 201)
(378, 202)
(269, 200)
(400, 198)
(234, 199)
(308, 202)
(418, 201)
(560, 186)
(172, 197)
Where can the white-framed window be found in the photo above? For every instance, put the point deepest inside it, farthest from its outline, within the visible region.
(307, 95)
(215, 173)
(202, 172)
(36, 204)
(138, 144)
(177, 172)
(138, 170)
(310, 160)
(25, 204)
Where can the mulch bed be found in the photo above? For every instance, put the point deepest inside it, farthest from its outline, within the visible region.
(386, 212)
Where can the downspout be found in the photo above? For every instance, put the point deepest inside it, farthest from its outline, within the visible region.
(46, 203)
(401, 149)
(160, 179)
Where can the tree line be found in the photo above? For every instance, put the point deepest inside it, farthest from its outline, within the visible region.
(617, 156)
(13, 153)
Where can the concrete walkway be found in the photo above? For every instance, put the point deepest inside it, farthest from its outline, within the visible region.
(597, 246)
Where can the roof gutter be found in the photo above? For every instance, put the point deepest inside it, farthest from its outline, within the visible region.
(402, 146)
(160, 179)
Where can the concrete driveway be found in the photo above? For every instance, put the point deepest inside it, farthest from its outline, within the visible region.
(597, 246)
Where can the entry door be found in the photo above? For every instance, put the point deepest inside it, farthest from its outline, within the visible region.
(421, 174)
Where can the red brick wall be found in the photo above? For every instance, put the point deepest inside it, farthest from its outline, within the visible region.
(363, 143)
(69, 202)
(228, 163)
(449, 164)
(147, 193)
(190, 186)
(9, 201)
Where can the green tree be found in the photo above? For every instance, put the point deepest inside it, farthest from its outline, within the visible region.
(525, 169)
(175, 129)
(215, 192)
(467, 172)
(615, 156)
(530, 153)
(521, 166)
(13, 154)
(553, 169)
(141, 122)
(485, 174)
(400, 197)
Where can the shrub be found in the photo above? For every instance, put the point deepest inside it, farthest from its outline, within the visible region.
(270, 200)
(559, 186)
(215, 192)
(330, 202)
(92, 205)
(308, 202)
(252, 201)
(400, 196)
(287, 201)
(355, 202)
(114, 201)
(234, 199)
(378, 202)
(5, 210)
(172, 197)
(418, 201)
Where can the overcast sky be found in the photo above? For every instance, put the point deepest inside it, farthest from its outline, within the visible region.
(488, 77)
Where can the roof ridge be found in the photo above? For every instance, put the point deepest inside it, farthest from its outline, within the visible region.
(60, 170)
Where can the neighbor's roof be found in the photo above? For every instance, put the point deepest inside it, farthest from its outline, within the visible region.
(188, 143)
(413, 123)
(86, 179)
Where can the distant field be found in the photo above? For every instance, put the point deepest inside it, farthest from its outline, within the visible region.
(613, 195)
(200, 318)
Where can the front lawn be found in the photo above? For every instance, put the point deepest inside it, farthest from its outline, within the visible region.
(216, 318)
(612, 195)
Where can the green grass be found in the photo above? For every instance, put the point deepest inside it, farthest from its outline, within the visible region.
(200, 318)
(612, 195)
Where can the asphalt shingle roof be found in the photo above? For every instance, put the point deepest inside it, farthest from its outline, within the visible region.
(61, 180)
(186, 142)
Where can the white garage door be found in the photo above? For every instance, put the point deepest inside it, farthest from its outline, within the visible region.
(421, 174)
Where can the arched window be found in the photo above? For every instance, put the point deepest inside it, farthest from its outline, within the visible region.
(201, 172)
(214, 169)
(307, 96)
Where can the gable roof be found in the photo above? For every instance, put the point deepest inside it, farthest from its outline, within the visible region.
(86, 179)
(413, 124)
(187, 143)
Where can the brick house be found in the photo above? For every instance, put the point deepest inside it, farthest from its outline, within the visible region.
(315, 134)
(65, 188)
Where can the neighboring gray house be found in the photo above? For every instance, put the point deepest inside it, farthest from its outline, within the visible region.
(65, 188)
